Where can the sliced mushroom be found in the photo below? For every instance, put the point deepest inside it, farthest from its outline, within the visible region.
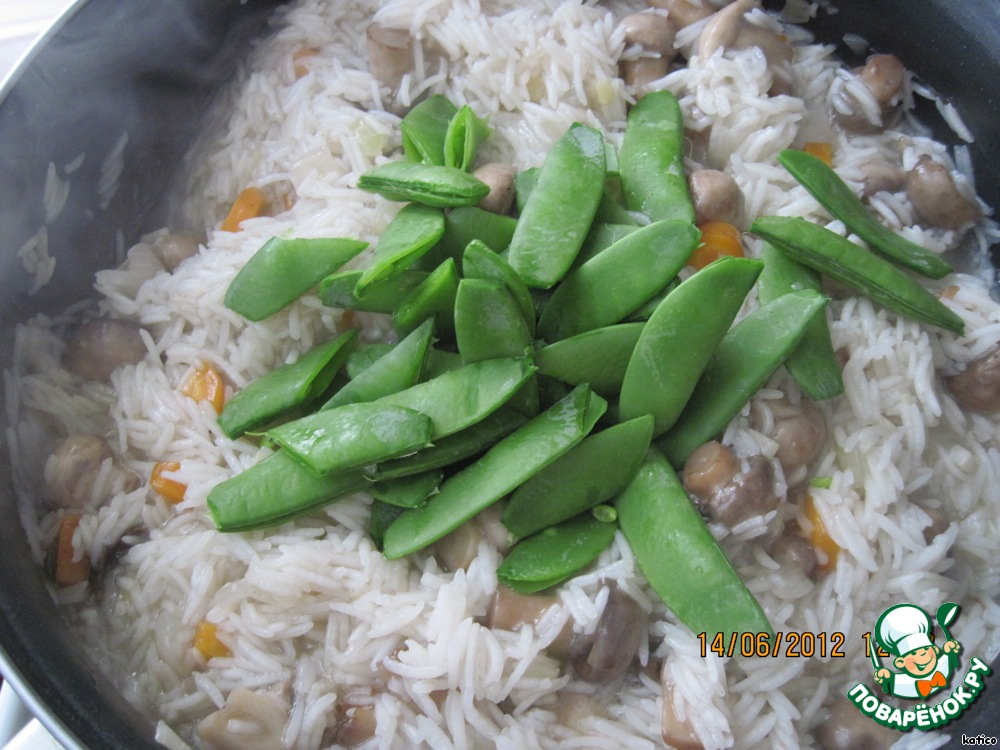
(72, 469)
(716, 196)
(677, 733)
(500, 179)
(847, 728)
(721, 31)
(654, 35)
(103, 345)
(390, 54)
(456, 550)
(357, 723)
(248, 721)
(174, 248)
(936, 197)
(885, 79)
(683, 13)
(881, 176)
(510, 610)
(937, 526)
(791, 550)
(572, 709)
(978, 386)
(724, 493)
(885, 76)
(729, 28)
(608, 652)
(799, 429)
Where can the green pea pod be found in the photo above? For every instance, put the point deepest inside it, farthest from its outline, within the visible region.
(652, 159)
(410, 234)
(488, 322)
(276, 490)
(407, 492)
(382, 517)
(283, 270)
(593, 472)
(399, 369)
(465, 133)
(285, 389)
(555, 554)
(364, 356)
(645, 312)
(742, 362)
(340, 290)
(599, 357)
(678, 340)
(424, 183)
(615, 282)
(813, 363)
(608, 209)
(505, 466)
(468, 224)
(601, 237)
(524, 183)
(560, 209)
(434, 297)
(451, 449)
(439, 362)
(836, 197)
(424, 128)
(459, 398)
(680, 558)
(355, 435)
(840, 259)
(481, 262)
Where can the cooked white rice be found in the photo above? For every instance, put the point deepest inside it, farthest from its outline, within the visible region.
(311, 608)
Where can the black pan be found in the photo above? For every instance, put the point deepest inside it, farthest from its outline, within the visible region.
(149, 67)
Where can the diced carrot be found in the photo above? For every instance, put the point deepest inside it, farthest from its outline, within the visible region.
(172, 490)
(206, 640)
(821, 150)
(206, 384)
(300, 60)
(717, 239)
(820, 538)
(248, 205)
(67, 570)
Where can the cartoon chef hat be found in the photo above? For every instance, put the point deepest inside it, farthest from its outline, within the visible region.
(903, 628)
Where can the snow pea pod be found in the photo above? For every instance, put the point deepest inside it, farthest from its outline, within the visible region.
(424, 129)
(560, 209)
(465, 132)
(364, 356)
(459, 446)
(840, 259)
(423, 183)
(593, 472)
(283, 390)
(652, 159)
(555, 554)
(505, 466)
(742, 362)
(608, 209)
(833, 194)
(488, 322)
(410, 234)
(813, 363)
(601, 237)
(679, 556)
(480, 262)
(340, 290)
(355, 435)
(283, 270)
(407, 492)
(678, 340)
(465, 225)
(433, 297)
(276, 490)
(618, 280)
(382, 517)
(397, 370)
(599, 357)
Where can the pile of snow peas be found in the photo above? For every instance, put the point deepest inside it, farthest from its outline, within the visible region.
(551, 361)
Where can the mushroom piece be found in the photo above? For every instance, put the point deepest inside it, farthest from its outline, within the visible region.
(978, 386)
(881, 176)
(572, 709)
(654, 35)
(725, 493)
(71, 470)
(683, 13)
(357, 723)
(248, 721)
(499, 177)
(799, 430)
(729, 28)
(176, 247)
(607, 653)
(510, 610)
(677, 733)
(716, 196)
(791, 550)
(937, 526)
(103, 345)
(846, 728)
(457, 549)
(390, 54)
(885, 79)
(936, 197)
